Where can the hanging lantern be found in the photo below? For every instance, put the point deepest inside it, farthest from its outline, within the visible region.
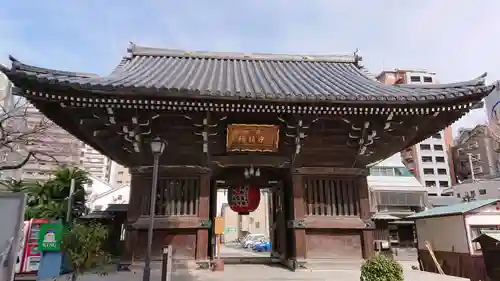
(243, 199)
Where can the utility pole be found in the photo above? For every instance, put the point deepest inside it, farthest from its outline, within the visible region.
(70, 201)
(471, 167)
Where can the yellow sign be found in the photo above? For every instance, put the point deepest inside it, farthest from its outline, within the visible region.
(258, 138)
(219, 226)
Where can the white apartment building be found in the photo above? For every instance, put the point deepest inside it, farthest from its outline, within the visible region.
(429, 160)
(432, 164)
(93, 162)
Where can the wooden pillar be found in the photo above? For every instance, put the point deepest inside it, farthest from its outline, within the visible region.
(137, 189)
(202, 241)
(296, 223)
(364, 204)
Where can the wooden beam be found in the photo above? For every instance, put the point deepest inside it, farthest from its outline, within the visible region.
(331, 171)
(171, 169)
(245, 160)
(334, 222)
(179, 222)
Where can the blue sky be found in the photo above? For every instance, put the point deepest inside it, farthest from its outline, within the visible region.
(457, 39)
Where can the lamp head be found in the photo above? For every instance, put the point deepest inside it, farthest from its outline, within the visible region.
(157, 145)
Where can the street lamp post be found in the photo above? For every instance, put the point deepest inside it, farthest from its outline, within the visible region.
(157, 147)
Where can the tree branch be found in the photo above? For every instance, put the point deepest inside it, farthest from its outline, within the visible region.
(31, 154)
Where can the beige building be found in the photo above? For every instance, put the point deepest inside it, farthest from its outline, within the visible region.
(117, 174)
(236, 225)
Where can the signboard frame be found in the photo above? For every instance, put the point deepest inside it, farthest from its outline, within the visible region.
(252, 138)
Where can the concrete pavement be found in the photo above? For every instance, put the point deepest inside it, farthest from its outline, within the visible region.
(341, 271)
(261, 272)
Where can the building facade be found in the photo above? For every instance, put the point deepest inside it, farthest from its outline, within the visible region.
(395, 194)
(473, 154)
(117, 174)
(93, 162)
(476, 190)
(430, 159)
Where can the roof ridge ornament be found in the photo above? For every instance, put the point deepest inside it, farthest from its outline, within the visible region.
(136, 50)
(358, 58)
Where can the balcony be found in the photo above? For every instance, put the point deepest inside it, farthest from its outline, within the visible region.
(384, 200)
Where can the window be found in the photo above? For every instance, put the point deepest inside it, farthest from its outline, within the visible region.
(472, 193)
(439, 159)
(472, 145)
(257, 224)
(415, 79)
(427, 79)
(437, 136)
(428, 171)
(438, 147)
(458, 195)
(119, 182)
(425, 147)
(382, 171)
(482, 192)
(444, 184)
(476, 231)
(441, 171)
(430, 183)
(427, 159)
(120, 173)
(402, 172)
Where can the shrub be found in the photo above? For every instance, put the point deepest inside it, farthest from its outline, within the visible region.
(83, 246)
(381, 268)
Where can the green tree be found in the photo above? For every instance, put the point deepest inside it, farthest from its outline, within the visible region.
(50, 199)
(381, 268)
(84, 247)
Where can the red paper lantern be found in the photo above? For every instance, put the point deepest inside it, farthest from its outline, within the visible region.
(243, 199)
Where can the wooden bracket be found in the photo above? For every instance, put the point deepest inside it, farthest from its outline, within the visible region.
(296, 224)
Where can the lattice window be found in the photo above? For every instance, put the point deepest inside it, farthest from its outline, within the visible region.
(331, 197)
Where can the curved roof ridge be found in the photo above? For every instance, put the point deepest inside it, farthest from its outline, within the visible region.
(137, 50)
(479, 81)
(18, 65)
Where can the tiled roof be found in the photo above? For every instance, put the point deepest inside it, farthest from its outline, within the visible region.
(294, 78)
(455, 209)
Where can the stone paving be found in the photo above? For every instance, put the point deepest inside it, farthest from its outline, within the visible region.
(248, 272)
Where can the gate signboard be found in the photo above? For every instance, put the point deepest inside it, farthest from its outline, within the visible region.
(257, 138)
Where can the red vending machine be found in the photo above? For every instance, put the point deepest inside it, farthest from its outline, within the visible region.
(30, 260)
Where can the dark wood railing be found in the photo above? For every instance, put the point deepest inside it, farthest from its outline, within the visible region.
(331, 197)
(175, 197)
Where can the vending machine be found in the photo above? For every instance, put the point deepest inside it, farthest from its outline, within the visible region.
(30, 260)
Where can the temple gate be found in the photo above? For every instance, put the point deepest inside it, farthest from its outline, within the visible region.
(310, 124)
